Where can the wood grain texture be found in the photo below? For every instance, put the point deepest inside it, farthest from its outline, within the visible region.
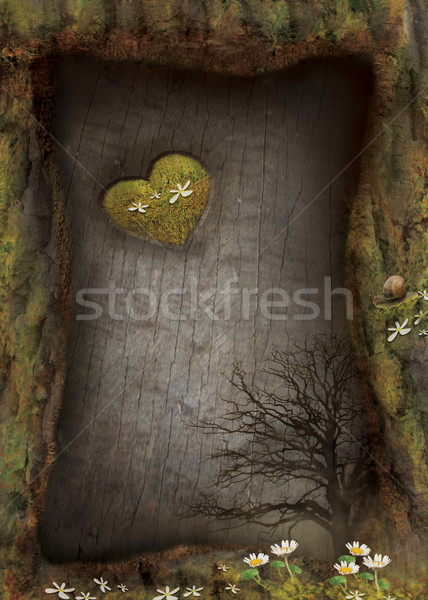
(270, 145)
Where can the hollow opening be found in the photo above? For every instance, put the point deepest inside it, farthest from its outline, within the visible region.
(155, 330)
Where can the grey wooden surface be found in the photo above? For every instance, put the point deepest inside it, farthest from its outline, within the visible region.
(270, 144)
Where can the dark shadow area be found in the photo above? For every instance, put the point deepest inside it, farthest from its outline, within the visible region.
(169, 323)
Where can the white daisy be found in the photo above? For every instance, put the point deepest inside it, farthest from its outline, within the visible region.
(193, 591)
(347, 568)
(355, 595)
(167, 594)
(60, 590)
(423, 332)
(423, 295)
(223, 568)
(155, 196)
(284, 548)
(86, 596)
(356, 550)
(138, 206)
(232, 588)
(257, 561)
(399, 329)
(180, 191)
(378, 562)
(122, 587)
(103, 584)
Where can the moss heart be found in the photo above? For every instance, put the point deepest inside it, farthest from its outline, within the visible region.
(167, 207)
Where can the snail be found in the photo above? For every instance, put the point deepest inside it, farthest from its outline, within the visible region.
(394, 293)
(394, 288)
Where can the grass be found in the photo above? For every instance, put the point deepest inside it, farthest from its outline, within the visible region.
(201, 570)
(162, 221)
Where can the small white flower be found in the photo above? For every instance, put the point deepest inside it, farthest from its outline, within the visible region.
(167, 594)
(232, 588)
(139, 206)
(60, 590)
(223, 568)
(423, 332)
(193, 591)
(155, 196)
(355, 595)
(347, 568)
(418, 318)
(399, 329)
(389, 598)
(257, 561)
(86, 596)
(180, 191)
(356, 550)
(378, 562)
(284, 548)
(102, 584)
(122, 587)
(423, 295)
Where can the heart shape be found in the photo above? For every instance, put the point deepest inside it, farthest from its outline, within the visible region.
(166, 207)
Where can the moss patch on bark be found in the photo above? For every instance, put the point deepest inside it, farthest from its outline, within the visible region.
(162, 221)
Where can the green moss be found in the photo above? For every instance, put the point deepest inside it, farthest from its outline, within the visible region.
(388, 236)
(203, 572)
(23, 301)
(162, 221)
(273, 20)
(389, 307)
(388, 225)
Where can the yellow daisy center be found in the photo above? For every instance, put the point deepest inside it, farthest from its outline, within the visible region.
(357, 551)
(256, 562)
(346, 570)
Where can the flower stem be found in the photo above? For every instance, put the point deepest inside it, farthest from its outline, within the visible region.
(375, 580)
(280, 573)
(259, 581)
(288, 566)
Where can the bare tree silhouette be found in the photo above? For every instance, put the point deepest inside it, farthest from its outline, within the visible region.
(303, 425)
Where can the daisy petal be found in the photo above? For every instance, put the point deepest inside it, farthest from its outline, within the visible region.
(405, 331)
(174, 198)
(51, 591)
(63, 596)
(393, 336)
(186, 185)
(187, 193)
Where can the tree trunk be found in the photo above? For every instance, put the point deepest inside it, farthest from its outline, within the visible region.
(271, 144)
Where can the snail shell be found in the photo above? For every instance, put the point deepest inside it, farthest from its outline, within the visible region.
(394, 288)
